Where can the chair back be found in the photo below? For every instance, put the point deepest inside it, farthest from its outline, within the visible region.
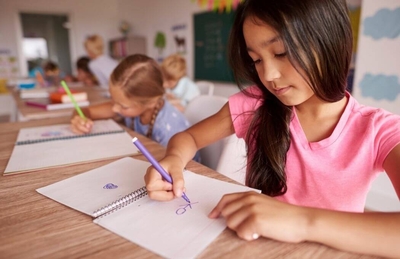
(233, 161)
(198, 109)
(205, 87)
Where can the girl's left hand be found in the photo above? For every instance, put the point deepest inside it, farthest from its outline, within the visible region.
(251, 214)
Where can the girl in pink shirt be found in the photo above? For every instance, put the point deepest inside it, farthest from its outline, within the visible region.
(313, 151)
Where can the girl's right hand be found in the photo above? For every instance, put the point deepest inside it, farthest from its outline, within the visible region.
(158, 188)
(80, 125)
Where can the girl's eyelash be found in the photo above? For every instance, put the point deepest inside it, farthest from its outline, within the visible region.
(256, 61)
(281, 54)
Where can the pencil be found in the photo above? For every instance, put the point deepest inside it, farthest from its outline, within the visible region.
(156, 165)
(78, 109)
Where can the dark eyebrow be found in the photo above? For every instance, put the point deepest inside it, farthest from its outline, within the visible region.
(267, 42)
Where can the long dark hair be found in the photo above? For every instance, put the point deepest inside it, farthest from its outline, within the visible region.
(318, 40)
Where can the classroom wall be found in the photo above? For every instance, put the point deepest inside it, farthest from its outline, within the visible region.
(103, 17)
(173, 17)
(377, 78)
(86, 17)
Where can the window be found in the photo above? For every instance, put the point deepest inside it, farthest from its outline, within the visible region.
(35, 48)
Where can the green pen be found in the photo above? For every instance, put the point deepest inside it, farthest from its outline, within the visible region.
(78, 109)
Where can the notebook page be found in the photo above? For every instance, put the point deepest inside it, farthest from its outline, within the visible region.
(174, 229)
(99, 187)
(69, 151)
(64, 130)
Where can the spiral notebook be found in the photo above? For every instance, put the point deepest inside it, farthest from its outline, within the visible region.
(115, 196)
(50, 146)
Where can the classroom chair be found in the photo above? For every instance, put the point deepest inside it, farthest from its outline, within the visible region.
(205, 87)
(198, 109)
(233, 161)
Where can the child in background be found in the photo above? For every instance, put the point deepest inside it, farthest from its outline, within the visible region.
(181, 90)
(100, 64)
(48, 74)
(136, 89)
(313, 150)
(84, 74)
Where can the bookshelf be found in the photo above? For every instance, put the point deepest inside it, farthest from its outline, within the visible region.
(122, 47)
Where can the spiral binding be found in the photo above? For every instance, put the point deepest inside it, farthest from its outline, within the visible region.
(120, 203)
(33, 141)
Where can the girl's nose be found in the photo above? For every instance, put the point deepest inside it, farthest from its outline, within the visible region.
(271, 71)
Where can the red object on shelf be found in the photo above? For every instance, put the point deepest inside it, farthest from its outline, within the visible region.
(62, 97)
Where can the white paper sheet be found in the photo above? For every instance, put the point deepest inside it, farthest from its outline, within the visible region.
(173, 229)
(58, 131)
(47, 154)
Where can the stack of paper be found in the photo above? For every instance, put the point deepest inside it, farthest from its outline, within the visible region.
(34, 93)
(48, 105)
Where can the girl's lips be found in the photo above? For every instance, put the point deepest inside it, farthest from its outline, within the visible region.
(282, 90)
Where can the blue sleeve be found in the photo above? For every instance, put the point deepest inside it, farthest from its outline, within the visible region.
(169, 122)
(32, 73)
(186, 90)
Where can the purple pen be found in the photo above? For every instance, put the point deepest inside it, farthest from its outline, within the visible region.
(155, 163)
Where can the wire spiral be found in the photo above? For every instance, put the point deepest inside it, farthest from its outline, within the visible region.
(120, 203)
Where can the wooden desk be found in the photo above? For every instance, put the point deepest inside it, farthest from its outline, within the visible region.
(95, 95)
(33, 226)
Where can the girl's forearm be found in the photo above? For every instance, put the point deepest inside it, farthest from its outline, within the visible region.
(101, 111)
(183, 146)
(371, 233)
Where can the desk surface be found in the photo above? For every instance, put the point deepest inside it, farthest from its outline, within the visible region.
(95, 95)
(33, 226)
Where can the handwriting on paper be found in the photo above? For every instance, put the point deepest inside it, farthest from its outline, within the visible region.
(110, 186)
(182, 208)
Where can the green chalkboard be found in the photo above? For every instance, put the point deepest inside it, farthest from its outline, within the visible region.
(211, 33)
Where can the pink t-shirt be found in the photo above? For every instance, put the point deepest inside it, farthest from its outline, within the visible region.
(334, 173)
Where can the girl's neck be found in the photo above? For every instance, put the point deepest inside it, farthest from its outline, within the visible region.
(319, 109)
(319, 119)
